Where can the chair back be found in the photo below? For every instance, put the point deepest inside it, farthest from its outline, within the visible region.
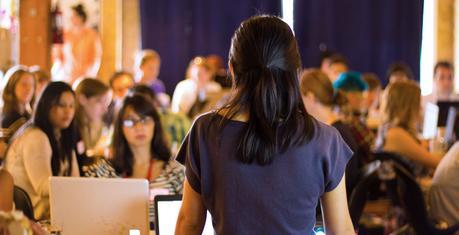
(394, 157)
(22, 202)
(359, 195)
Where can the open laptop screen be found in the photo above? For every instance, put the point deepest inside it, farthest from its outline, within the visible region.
(167, 208)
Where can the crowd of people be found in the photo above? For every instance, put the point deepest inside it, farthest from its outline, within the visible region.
(267, 143)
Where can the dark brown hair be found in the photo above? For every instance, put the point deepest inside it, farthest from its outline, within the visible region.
(265, 63)
(123, 158)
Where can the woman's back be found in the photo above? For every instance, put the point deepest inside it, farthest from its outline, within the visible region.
(279, 198)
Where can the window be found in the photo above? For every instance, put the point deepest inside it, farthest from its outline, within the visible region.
(287, 12)
(428, 46)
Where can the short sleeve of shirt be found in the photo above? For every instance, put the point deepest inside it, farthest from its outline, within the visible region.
(188, 155)
(337, 159)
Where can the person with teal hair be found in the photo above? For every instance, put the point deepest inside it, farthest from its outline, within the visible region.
(352, 86)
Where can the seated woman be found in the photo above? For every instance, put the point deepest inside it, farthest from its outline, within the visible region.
(93, 99)
(175, 125)
(18, 89)
(140, 149)
(400, 108)
(319, 99)
(46, 148)
(198, 92)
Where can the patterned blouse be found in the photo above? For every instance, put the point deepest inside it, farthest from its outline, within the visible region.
(169, 182)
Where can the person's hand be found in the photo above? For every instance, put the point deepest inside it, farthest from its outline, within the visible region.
(37, 229)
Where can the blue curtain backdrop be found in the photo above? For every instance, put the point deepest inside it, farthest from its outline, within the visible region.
(181, 29)
(370, 33)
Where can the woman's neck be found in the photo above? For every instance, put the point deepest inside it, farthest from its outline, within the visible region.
(147, 80)
(142, 154)
(21, 108)
(325, 114)
(95, 124)
(57, 133)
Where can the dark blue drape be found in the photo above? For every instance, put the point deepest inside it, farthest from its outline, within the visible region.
(182, 29)
(370, 33)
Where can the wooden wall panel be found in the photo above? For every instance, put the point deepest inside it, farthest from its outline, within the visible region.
(34, 26)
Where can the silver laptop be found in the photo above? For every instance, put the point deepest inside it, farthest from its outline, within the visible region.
(99, 206)
(167, 208)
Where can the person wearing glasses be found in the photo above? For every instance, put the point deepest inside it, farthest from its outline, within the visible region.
(140, 149)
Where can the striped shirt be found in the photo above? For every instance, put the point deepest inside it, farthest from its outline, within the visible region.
(169, 182)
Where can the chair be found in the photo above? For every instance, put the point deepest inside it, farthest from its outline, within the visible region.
(394, 157)
(402, 189)
(360, 192)
(22, 202)
(412, 201)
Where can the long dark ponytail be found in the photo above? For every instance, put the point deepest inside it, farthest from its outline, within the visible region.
(265, 62)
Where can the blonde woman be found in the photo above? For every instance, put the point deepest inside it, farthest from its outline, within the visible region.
(198, 91)
(401, 105)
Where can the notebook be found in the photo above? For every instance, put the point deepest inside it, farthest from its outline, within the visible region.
(167, 208)
(99, 206)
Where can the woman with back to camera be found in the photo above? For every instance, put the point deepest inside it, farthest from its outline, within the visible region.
(261, 163)
(45, 148)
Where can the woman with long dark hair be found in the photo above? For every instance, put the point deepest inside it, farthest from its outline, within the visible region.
(140, 149)
(46, 148)
(261, 163)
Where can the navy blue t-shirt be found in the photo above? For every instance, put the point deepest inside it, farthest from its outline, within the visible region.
(279, 198)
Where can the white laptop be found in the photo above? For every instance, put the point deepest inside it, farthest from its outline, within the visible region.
(167, 208)
(99, 206)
